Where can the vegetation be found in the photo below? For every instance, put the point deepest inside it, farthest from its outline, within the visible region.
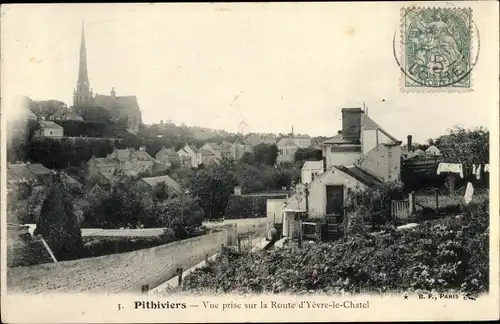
(449, 254)
(58, 223)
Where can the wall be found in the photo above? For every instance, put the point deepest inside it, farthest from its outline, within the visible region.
(341, 158)
(124, 272)
(371, 138)
(384, 161)
(306, 175)
(317, 190)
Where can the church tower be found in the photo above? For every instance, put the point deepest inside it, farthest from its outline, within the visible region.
(82, 95)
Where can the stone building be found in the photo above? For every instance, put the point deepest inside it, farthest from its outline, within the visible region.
(121, 108)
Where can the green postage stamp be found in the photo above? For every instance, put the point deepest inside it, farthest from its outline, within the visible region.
(437, 49)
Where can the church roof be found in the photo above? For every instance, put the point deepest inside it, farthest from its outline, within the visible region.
(111, 103)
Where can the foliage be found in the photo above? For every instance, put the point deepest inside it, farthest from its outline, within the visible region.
(213, 185)
(467, 146)
(58, 223)
(24, 205)
(308, 154)
(93, 113)
(46, 108)
(265, 154)
(374, 203)
(449, 255)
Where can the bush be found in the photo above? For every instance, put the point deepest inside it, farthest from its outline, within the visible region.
(446, 255)
(58, 223)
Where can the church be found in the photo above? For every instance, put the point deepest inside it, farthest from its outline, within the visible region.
(119, 107)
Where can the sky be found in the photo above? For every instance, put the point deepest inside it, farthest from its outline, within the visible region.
(287, 64)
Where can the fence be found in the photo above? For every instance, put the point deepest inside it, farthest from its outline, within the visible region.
(400, 209)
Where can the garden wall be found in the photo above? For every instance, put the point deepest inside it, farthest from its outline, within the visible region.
(124, 272)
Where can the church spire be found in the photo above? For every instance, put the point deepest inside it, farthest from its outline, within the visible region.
(82, 96)
(82, 73)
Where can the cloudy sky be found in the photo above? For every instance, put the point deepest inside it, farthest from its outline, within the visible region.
(289, 64)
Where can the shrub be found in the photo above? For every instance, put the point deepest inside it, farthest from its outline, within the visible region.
(58, 223)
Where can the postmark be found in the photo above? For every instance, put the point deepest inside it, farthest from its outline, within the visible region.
(438, 49)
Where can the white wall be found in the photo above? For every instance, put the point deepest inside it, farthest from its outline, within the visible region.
(341, 158)
(306, 175)
(371, 138)
(317, 190)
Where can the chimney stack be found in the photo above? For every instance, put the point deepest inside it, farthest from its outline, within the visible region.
(351, 123)
(409, 144)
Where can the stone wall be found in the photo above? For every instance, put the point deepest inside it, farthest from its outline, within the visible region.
(124, 272)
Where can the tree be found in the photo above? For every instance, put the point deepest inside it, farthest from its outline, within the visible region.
(265, 154)
(466, 146)
(308, 154)
(94, 113)
(46, 108)
(182, 214)
(58, 223)
(213, 185)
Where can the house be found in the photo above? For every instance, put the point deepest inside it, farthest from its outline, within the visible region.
(287, 148)
(363, 142)
(228, 150)
(101, 165)
(103, 180)
(310, 170)
(151, 182)
(214, 148)
(254, 140)
(432, 150)
(130, 155)
(42, 173)
(66, 115)
(19, 173)
(328, 192)
(49, 129)
(168, 156)
(208, 157)
(193, 153)
(71, 183)
(184, 158)
(240, 149)
(302, 141)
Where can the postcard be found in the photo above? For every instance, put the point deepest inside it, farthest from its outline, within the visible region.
(249, 162)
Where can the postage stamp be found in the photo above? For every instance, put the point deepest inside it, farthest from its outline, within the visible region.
(437, 51)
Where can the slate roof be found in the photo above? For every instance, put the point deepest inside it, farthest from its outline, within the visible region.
(168, 151)
(368, 124)
(20, 173)
(153, 181)
(71, 114)
(38, 169)
(312, 165)
(337, 139)
(213, 146)
(286, 141)
(193, 148)
(361, 175)
(118, 103)
(206, 152)
(48, 124)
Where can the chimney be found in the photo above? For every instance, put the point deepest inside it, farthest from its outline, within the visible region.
(409, 144)
(237, 191)
(351, 123)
